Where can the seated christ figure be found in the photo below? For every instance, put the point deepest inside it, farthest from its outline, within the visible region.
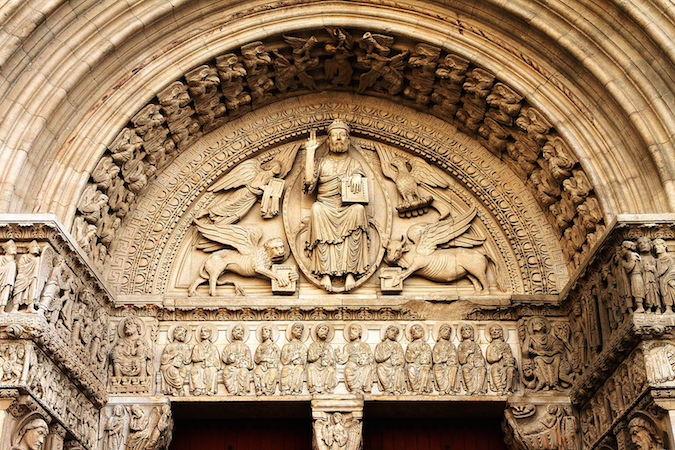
(337, 232)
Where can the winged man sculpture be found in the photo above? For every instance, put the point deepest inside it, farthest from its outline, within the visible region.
(253, 179)
(420, 254)
(337, 431)
(248, 257)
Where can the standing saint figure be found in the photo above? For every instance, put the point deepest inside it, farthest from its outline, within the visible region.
(114, 428)
(503, 364)
(321, 372)
(665, 266)
(238, 363)
(359, 361)
(471, 360)
(337, 232)
(7, 272)
(25, 287)
(418, 357)
(267, 363)
(446, 366)
(174, 362)
(205, 364)
(390, 363)
(294, 359)
(649, 276)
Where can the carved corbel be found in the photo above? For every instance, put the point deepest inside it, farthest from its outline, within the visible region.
(337, 423)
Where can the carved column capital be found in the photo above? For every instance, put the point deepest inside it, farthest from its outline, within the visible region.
(526, 425)
(337, 422)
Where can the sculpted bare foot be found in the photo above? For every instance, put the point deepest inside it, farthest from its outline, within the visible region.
(326, 283)
(349, 282)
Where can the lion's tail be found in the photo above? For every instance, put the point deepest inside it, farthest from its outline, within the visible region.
(493, 274)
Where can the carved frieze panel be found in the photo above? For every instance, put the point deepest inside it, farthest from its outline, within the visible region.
(278, 359)
(131, 361)
(549, 426)
(146, 424)
(26, 367)
(420, 76)
(160, 239)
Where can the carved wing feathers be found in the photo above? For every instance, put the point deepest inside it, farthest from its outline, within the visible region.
(425, 173)
(433, 235)
(244, 239)
(354, 430)
(386, 157)
(239, 176)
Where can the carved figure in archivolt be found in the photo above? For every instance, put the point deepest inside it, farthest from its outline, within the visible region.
(7, 272)
(338, 68)
(31, 434)
(545, 362)
(502, 363)
(321, 371)
(130, 356)
(175, 361)
(358, 359)
(253, 179)
(205, 363)
(419, 361)
(385, 73)
(390, 361)
(26, 284)
(337, 431)
(416, 182)
(419, 254)
(238, 362)
(644, 435)
(472, 362)
(665, 267)
(249, 259)
(446, 364)
(294, 360)
(337, 235)
(266, 359)
(286, 71)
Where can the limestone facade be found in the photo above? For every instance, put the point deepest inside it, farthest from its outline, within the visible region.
(337, 203)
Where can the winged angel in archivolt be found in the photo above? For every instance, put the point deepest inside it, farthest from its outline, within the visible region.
(337, 217)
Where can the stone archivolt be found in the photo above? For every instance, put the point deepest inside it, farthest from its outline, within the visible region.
(422, 77)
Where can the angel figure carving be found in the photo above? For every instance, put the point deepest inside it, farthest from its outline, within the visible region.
(415, 180)
(258, 178)
(248, 257)
(337, 431)
(420, 254)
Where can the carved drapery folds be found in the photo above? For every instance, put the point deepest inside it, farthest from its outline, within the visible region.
(298, 359)
(138, 426)
(422, 76)
(546, 354)
(541, 427)
(130, 358)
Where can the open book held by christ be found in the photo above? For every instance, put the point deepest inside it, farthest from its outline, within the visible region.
(349, 197)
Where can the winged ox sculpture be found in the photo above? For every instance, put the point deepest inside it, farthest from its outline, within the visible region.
(442, 252)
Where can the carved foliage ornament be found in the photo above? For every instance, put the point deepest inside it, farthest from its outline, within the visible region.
(442, 84)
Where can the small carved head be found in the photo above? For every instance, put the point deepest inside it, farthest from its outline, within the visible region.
(416, 332)
(660, 246)
(338, 136)
(444, 332)
(9, 247)
(496, 332)
(354, 332)
(296, 330)
(466, 332)
(322, 331)
(131, 327)
(395, 249)
(644, 244)
(392, 332)
(643, 435)
(276, 249)
(32, 435)
(180, 334)
(266, 332)
(205, 334)
(237, 332)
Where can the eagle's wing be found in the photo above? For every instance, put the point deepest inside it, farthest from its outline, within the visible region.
(432, 235)
(426, 174)
(354, 431)
(295, 42)
(239, 176)
(244, 239)
(385, 41)
(387, 155)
